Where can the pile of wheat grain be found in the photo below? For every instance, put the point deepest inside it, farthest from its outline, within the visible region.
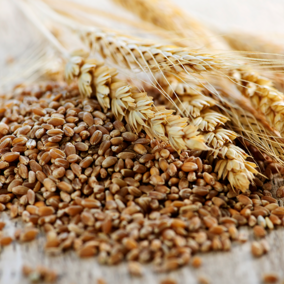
(100, 189)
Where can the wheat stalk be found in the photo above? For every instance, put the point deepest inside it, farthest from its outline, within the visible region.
(256, 46)
(266, 99)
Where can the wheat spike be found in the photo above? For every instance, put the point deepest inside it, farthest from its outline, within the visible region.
(194, 103)
(266, 99)
(138, 54)
(136, 107)
(259, 89)
(258, 135)
(261, 48)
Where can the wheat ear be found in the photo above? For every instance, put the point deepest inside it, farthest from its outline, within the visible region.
(266, 99)
(261, 48)
(257, 134)
(137, 108)
(138, 54)
(231, 160)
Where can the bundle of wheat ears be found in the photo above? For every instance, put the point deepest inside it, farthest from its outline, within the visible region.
(185, 86)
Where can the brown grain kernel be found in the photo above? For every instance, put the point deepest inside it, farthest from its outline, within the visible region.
(69, 149)
(26, 270)
(140, 149)
(257, 249)
(87, 251)
(28, 235)
(31, 197)
(109, 161)
(5, 240)
(2, 225)
(73, 210)
(156, 180)
(196, 261)
(10, 157)
(280, 192)
(168, 281)
(4, 128)
(126, 155)
(209, 178)
(56, 153)
(88, 118)
(101, 281)
(49, 184)
(134, 268)
(203, 280)
(189, 167)
(45, 211)
(259, 231)
(270, 278)
(96, 137)
(129, 136)
(218, 201)
(59, 173)
(200, 190)
(20, 190)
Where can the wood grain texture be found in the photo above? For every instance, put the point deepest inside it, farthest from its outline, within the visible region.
(237, 266)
